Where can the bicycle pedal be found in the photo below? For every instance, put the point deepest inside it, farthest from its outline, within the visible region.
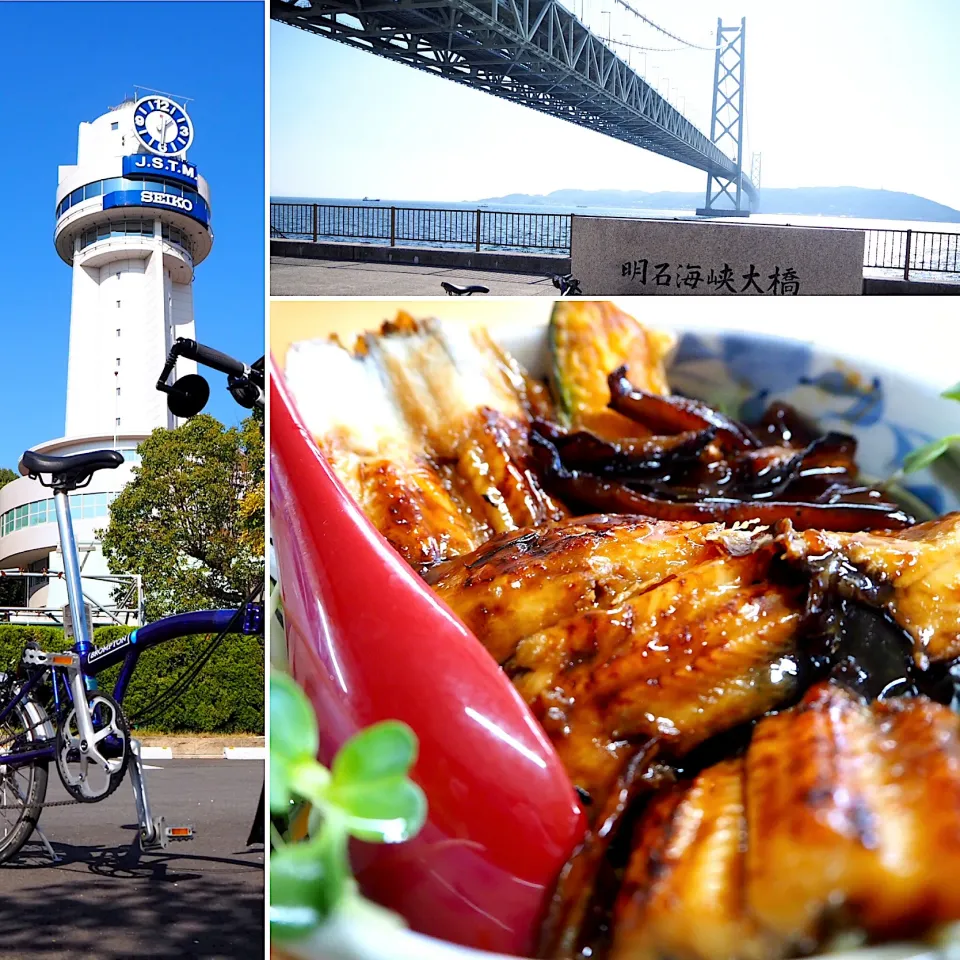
(179, 833)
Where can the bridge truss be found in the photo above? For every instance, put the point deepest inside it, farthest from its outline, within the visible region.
(532, 52)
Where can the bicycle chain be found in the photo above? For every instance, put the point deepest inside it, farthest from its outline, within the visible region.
(33, 806)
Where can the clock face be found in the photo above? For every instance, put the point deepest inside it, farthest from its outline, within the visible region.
(162, 126)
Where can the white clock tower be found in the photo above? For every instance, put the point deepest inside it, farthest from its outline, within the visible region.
(132, 220)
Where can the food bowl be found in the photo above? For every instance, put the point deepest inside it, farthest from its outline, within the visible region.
(368, 640)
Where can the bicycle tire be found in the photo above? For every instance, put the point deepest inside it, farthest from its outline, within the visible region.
(31, 718)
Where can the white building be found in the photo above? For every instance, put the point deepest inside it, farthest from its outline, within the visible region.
(132, 221)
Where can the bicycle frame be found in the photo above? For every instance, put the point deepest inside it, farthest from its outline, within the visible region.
(125, 650)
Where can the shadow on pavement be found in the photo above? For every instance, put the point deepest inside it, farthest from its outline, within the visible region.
(168, 904)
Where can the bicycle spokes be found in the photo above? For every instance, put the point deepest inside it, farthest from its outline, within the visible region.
(13, 796)
(92, 769)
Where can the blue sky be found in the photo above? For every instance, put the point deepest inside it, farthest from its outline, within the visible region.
(849, 93)
(64, 63)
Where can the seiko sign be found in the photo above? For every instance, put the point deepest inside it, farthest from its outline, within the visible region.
(195, 207)
(142, 165)
(166, 200)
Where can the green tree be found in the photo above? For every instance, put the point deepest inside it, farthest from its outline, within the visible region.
(7, 476)
(185, 522)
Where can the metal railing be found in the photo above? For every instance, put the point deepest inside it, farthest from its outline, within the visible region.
(912, 250)
(480, 229)
(904, 251)
(125, 607)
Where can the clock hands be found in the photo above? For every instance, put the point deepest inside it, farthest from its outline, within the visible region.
(166, 123)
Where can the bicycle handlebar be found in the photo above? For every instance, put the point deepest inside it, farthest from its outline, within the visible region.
(208, 357)
(189, 394)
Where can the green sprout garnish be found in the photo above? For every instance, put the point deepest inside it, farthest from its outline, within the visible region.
(953, 393)
(365, 794)
(923, 456)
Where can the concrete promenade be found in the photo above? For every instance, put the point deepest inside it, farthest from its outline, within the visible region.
(295, 277)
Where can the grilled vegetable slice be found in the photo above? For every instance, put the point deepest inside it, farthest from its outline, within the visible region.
(588, 339)
(912, 575)
(690, 466)
(593, 494)
(650, 458)
(672, 414)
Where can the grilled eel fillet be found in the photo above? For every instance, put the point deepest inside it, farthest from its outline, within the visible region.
(523, 582)
(625, 630)
(426, 425)
(706, 649)
(841, 815)
(913, 575)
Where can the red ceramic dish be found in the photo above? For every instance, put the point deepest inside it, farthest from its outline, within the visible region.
(368, 641)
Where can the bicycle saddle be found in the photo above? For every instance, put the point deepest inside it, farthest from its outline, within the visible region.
(566, 283)
(454, 291)
(71, 471)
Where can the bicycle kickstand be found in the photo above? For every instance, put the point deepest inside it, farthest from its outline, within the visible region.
(154, 832)
(51, 853)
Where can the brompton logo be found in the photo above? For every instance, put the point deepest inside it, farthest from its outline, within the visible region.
(117, 644)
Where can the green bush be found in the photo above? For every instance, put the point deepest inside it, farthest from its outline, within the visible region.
(226, 697)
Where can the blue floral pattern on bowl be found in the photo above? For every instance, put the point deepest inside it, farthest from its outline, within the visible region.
(889, 414)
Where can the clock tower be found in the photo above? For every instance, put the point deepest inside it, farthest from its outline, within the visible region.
(132, 221)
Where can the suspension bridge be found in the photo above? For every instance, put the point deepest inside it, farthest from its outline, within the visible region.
(538, 53)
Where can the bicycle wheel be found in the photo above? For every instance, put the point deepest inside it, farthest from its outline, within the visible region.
(22, 788)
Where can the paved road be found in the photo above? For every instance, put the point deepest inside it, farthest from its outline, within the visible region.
(106, 900)
(295, 277)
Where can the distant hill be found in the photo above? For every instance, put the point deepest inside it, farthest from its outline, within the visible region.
(807, 201)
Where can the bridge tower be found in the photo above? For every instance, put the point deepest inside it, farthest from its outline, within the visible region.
(725, 195)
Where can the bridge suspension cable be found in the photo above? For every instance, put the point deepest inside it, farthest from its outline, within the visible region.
(637, 46)
(663, 30)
